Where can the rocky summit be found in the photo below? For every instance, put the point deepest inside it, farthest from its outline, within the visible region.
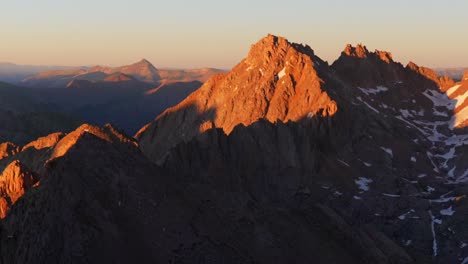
(284, 159)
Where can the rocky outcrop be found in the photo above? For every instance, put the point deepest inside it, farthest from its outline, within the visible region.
(361, 68)
(443, 82)
(107, 133)
(44, 142)
(8, 149)
(15, 180)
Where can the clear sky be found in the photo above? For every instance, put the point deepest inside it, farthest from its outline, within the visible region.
(217, 33)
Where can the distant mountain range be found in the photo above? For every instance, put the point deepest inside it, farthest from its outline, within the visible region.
(128, 96)
(14, 73)
(60, 76)
(454, 73)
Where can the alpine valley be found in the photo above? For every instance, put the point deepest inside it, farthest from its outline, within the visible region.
(283, 159)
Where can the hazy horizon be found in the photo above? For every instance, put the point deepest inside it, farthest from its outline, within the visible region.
(208, 33)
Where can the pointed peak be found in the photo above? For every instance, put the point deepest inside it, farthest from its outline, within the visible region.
(271, 41)
(275, 48)
(360, 51)
(413, 66)
(144, 62)
(384, 55)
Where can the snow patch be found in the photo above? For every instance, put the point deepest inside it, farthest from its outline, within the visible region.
(391, 195)
(449, 211)
(447, 156)
(463, 177)
(465, 260)
(438, 113)
(338, 193)
(368, 105)
(405, 113)
(453, 89)
(459, 117)
(439, 99)
(282, 73)
(451, 173)
(460, 99)
(443, 200)
(388, 151)
(344, 163)
(403, 216)
(434, 239)
(430, 156)
(369, 91)
(363, 183)
(430, 189)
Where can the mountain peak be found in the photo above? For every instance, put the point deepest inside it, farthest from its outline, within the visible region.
(142, 70)
(144, 61)
(384, 55)
(271, 48)
(363, 68)
(269, 84)
(465, 76)
(360, 51)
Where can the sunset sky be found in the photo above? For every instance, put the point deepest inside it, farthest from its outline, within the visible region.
(218, 33)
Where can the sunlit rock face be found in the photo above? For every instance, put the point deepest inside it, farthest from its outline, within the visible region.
(8, 149)
(15, 180)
